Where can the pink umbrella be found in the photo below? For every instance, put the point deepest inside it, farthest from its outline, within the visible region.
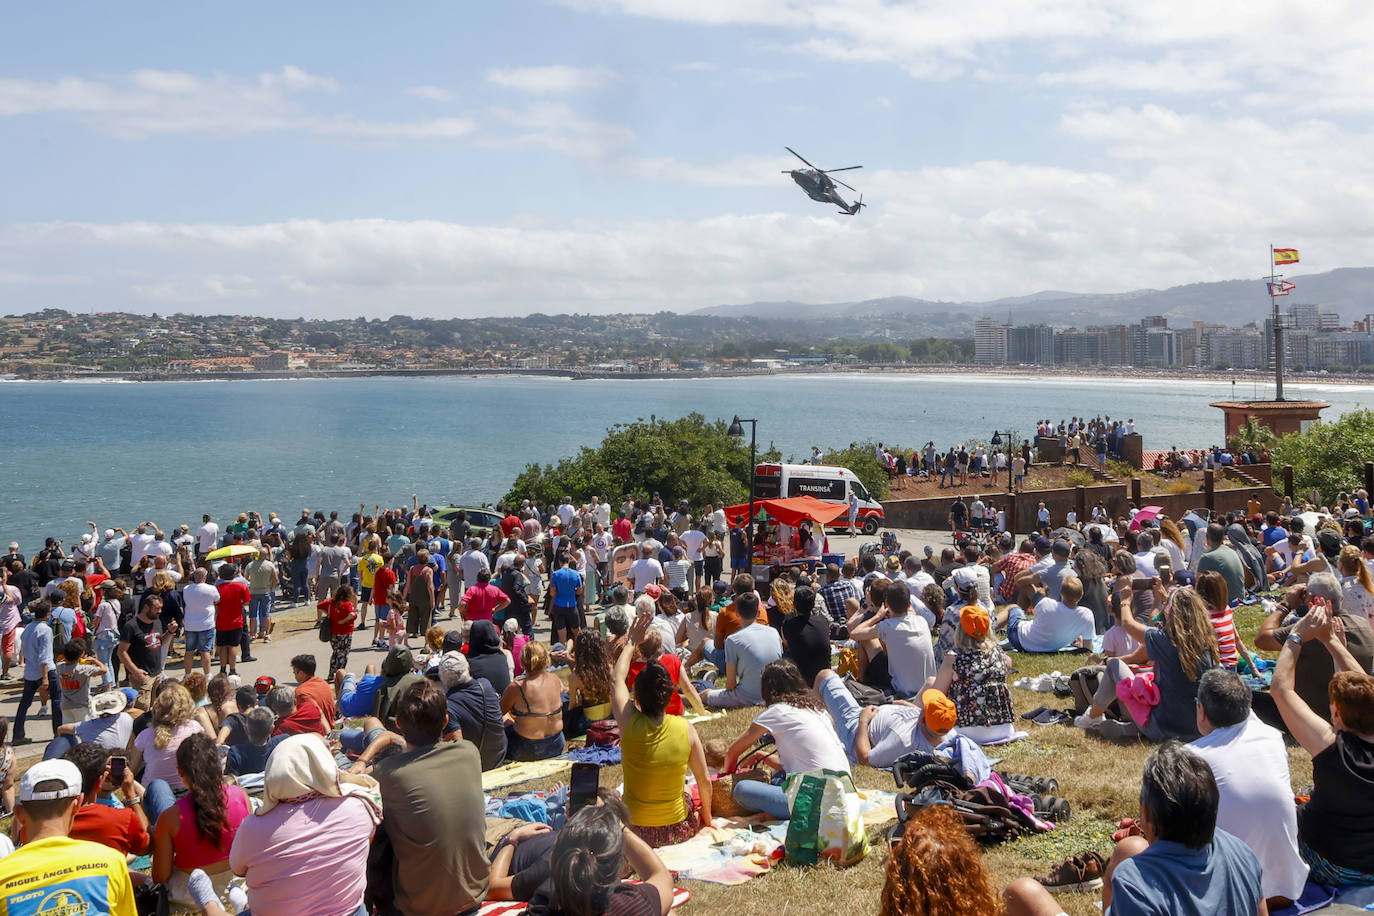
(1147, 514)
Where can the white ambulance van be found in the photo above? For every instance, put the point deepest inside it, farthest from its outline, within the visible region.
(823, 481)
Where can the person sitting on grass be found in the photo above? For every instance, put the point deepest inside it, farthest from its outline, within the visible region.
(474, 709)
(974, 675)
(935, 869)
(304, 851)
(1059, 623)
(1181, 865)
(652, 649)
(533, 708)
(589, 683)
(521, 864)
(124, 829)
(251, 755)
(877, 735)
(1250, 764)
(902, 637)
(1180, 651)
(802, 730)
(53, 866)
(1334, 826)
(747, 651)
(592, 852)
(656, 751)
(197, 830)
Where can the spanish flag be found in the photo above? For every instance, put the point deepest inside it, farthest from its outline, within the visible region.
(1285, 255)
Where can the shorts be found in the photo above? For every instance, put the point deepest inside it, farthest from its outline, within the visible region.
(200, 641)
(228, 638)
(365, 594)
(565, 618)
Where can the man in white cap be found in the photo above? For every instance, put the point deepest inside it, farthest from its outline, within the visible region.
(108, 550)
(66, 875)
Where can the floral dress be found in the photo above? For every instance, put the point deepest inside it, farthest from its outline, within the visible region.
(980, 689)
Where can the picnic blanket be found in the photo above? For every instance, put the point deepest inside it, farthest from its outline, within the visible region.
(733, 853)
(1314, 897)
(523, 771)
(514, 907)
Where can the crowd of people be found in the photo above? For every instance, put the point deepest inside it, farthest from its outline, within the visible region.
(341, 791)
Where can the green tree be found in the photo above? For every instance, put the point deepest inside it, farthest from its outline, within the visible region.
(1252, 435)
(689, 458)
(1328, 457)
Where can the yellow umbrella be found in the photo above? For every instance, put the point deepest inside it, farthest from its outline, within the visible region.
(231, 552)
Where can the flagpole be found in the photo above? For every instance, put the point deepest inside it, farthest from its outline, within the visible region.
(1278, 332)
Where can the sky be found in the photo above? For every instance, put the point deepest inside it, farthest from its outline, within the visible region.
(491, 158)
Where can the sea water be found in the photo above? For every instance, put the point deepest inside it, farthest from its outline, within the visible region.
(119, 454)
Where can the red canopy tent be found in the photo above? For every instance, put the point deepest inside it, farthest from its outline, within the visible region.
(789, 511)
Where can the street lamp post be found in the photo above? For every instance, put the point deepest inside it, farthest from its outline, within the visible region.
(736, 431)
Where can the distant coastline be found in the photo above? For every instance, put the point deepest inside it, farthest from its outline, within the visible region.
(1142, 373)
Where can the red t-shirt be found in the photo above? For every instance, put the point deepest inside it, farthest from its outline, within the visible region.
(117, 828)
(510, 524)
(316, 690)
(622, 529)
(233, 596)
(305, 720)
(481, 601)
(674, 666)
(342, 615)
(382, 584)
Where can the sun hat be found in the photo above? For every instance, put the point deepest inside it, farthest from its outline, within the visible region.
(453, 669)
(63, 771)
(938, 711)
(108, 703)
(653, 591)
(964, 579)
(975, 621)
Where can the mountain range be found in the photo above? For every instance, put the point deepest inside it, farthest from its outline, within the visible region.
(1348, 291)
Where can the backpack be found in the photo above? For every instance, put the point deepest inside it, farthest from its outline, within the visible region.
(59, 635)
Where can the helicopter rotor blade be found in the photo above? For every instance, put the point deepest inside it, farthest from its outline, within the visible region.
(843, 185)
(799, 156)
(845, 169)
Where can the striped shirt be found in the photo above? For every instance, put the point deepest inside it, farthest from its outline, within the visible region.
(1225, 625)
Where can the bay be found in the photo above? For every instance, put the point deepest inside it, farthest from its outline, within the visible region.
(120, 453)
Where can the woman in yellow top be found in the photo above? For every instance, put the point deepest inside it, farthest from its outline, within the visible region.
(656, 749)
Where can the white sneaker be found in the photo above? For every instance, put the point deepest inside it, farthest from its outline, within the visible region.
(1088, 721)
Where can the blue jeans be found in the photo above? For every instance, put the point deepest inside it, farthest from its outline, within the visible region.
(26, 700)
(105, 642)
(762, 796)
(1014, 617)
(157, 798)
(300, 579)
(59, 746)
(260, 610)
(844, 712)
(714, 656)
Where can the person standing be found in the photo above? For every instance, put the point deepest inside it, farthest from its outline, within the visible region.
(40, 671)
(233, 598)
(200, 598)
(140, 643)
(853, 512)
(262, 585)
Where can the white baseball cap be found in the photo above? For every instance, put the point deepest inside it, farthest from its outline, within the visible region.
(109, 533)
(63, 771)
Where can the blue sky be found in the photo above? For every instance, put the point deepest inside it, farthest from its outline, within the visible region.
(599, 155)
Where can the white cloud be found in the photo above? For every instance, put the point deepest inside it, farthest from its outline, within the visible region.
(554, 80)
(696, 66)
(431, 93)
(149, 103)
(557, 127)
(1178, 198)
(738, 172)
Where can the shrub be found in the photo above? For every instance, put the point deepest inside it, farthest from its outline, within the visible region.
(1077, 477)
(1179, 487)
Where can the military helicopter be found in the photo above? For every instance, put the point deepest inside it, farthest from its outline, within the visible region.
(819, 186)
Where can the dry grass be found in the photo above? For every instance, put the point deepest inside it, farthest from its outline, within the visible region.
(1101, 780)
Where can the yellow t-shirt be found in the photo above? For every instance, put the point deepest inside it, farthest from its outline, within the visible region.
(62, 875)
(367, 568)
(655, 763)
